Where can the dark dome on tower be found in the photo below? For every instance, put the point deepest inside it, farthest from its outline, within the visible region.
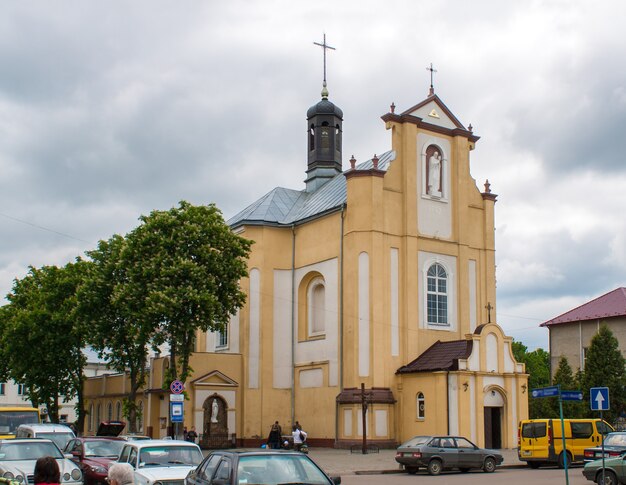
(324, 107)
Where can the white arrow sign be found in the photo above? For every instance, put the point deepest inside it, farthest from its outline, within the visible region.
(599, 400)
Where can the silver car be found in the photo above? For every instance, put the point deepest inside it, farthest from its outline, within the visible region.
(165, 461)
(18, 458)
(438, 453)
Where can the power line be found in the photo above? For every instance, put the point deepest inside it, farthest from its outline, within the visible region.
(44, 228)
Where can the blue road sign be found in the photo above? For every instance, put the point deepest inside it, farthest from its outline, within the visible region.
(176, 412)
(551, 391)
(572, 395)
(599, 397)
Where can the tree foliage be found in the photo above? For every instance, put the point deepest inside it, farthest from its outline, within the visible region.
(40, 342)
(604, 367)
(538, 370)
(565, 378)
(116, 331)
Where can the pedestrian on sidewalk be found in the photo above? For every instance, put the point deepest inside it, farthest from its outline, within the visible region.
(299, 437)
(275, 438)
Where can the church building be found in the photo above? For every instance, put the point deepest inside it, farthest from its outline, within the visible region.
(370, 289)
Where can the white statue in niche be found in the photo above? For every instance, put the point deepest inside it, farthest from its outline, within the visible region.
(214, 409)
(434, 174)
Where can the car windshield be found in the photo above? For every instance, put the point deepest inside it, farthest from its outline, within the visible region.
(169, 456)
(10, 420)
(28, 451)
(279, 468)
(60, 439)
(103, 448)
(415, 441)
(615, 439)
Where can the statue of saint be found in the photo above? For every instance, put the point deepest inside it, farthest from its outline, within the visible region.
(214, 410)
(434, 174)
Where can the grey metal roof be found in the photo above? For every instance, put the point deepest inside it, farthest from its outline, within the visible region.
(283, 206)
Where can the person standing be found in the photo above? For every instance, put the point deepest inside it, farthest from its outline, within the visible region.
(299, 438)
(275, 437)
(192, 435)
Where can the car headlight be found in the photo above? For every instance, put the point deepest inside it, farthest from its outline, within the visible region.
(66, 477)
(8, 475)
(19, 478)
(77, 474)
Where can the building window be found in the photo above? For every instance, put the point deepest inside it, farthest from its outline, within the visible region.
(316, 302)
(91, 416)
(110, 412)
(585, 350)
(118, 411)
(420, 405)
(20, 389)
(221, 338)
(2, 384)
(437, 295)
(98, 414)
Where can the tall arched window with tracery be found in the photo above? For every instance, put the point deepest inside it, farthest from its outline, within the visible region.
(140, 417)
(316, 303)
(91, 417)
(118, 411)
(437, 295)
(420, 403)
(110, 411)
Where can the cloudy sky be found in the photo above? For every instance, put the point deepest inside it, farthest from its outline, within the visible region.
(109, 110)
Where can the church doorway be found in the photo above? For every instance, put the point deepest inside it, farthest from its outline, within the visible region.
(493, 428)
(493, 406)
(215, 423)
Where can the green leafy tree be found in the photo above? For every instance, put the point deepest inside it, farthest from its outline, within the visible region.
(604, 367)
(564, 377)
(109, 310)
(538, 370)
(184, 267)
(40, 344)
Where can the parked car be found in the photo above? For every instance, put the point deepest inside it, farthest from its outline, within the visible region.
(93, 455)
(164, 461)
(614, 445)
(438, 453)
(18, 458)
(134, 437)
(614, 471)
(59, 433)
(258, 466)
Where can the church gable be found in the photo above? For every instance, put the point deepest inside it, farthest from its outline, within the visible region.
(432, 110)
(214, 378)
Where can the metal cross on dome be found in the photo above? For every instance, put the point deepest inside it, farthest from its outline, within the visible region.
(432, 71)
(324, 46)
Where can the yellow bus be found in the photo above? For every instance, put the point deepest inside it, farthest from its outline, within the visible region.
(12, 416)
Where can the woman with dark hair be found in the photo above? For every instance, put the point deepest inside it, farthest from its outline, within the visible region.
(47, 471)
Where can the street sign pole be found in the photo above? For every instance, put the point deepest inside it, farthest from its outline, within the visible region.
(565, 459)
(601, 420)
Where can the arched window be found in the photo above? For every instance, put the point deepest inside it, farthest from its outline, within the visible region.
(325, 136)
(91, 418)
(420, 405)
(110, 411)
(312, 138)
(316, 302)
(98, 414)
(437, 295)
(118, 411)
(337, 138)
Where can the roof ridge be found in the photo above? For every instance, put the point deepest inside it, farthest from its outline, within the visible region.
(552, 321)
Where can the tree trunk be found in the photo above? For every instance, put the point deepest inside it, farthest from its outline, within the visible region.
(80, 406)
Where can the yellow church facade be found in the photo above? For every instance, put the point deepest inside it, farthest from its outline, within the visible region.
(374, 285)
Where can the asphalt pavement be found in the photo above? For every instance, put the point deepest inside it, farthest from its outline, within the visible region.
(344, 462)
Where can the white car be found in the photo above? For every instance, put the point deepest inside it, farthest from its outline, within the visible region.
(18, 458)
(164, 461)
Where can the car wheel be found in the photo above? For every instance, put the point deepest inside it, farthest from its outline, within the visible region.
(609, 478)
(561, 462)
(464, 470)
(534, 464)
(412, 470)
(489, 466)
(434, 467)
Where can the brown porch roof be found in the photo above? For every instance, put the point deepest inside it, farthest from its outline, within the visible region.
(439, 356)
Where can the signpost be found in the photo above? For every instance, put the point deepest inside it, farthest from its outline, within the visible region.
(599, 401)
(177, 400)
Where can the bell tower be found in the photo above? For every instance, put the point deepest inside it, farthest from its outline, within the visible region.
(324, 133)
